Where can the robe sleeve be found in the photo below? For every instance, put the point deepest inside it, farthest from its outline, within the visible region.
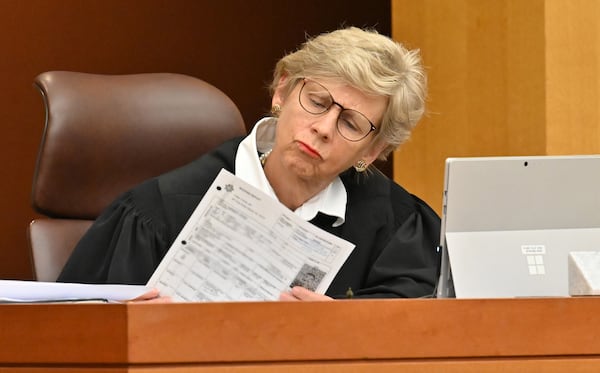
(408, 264)
(404, 260)
(125, 244)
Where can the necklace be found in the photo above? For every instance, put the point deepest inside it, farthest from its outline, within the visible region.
(263, 157)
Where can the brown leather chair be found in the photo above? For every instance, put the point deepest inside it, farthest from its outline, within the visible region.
(107, 133)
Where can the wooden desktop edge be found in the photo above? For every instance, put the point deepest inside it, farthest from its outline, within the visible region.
(353, 330)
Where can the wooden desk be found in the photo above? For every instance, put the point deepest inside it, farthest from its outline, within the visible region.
(420, 335)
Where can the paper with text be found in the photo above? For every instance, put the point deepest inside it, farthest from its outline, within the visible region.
(242, 245)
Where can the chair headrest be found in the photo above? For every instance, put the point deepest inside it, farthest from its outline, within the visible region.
(107, 133)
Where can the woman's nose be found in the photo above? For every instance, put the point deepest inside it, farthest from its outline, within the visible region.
(326, 124)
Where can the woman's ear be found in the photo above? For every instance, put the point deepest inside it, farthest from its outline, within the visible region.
(373, 151)
(279, 94)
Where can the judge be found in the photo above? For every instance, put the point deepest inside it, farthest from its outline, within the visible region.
(341, 101)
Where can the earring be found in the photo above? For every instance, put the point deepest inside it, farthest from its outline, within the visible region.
(276, 110)
(361, 166)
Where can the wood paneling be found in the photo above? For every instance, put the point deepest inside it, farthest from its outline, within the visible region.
(573, 76)
(408, 335)
(507, 77)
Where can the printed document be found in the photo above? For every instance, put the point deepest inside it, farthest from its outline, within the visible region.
(242, 245)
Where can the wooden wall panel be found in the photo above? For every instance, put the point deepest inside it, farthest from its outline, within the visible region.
(573, 76)
(232, 44)
(525, 72)
(507, 77)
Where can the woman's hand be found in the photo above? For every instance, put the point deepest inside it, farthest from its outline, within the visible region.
(299, 293)
(152, 296)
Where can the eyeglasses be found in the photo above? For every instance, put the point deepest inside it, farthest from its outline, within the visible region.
(351, 124)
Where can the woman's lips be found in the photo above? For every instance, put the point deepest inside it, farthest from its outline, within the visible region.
(308, 150)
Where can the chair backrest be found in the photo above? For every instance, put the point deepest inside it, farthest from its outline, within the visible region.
(107, 133)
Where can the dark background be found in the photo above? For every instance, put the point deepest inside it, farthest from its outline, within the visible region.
(232, 44)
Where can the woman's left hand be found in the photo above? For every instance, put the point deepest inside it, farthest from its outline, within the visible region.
(299, 293)
(152, 296)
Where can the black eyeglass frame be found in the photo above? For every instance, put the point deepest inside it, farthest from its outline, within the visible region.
(333, 102)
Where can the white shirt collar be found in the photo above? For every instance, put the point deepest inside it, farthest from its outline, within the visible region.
(330, 201)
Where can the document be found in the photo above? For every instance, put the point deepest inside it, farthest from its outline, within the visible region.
(14, 291)
(242, 245)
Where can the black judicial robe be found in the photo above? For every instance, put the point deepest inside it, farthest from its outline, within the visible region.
(395, 233)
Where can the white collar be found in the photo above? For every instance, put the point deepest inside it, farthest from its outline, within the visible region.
(330, 201)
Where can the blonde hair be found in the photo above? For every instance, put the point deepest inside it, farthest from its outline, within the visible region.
(370, 62)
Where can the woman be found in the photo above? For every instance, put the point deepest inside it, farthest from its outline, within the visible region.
(340, 102)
